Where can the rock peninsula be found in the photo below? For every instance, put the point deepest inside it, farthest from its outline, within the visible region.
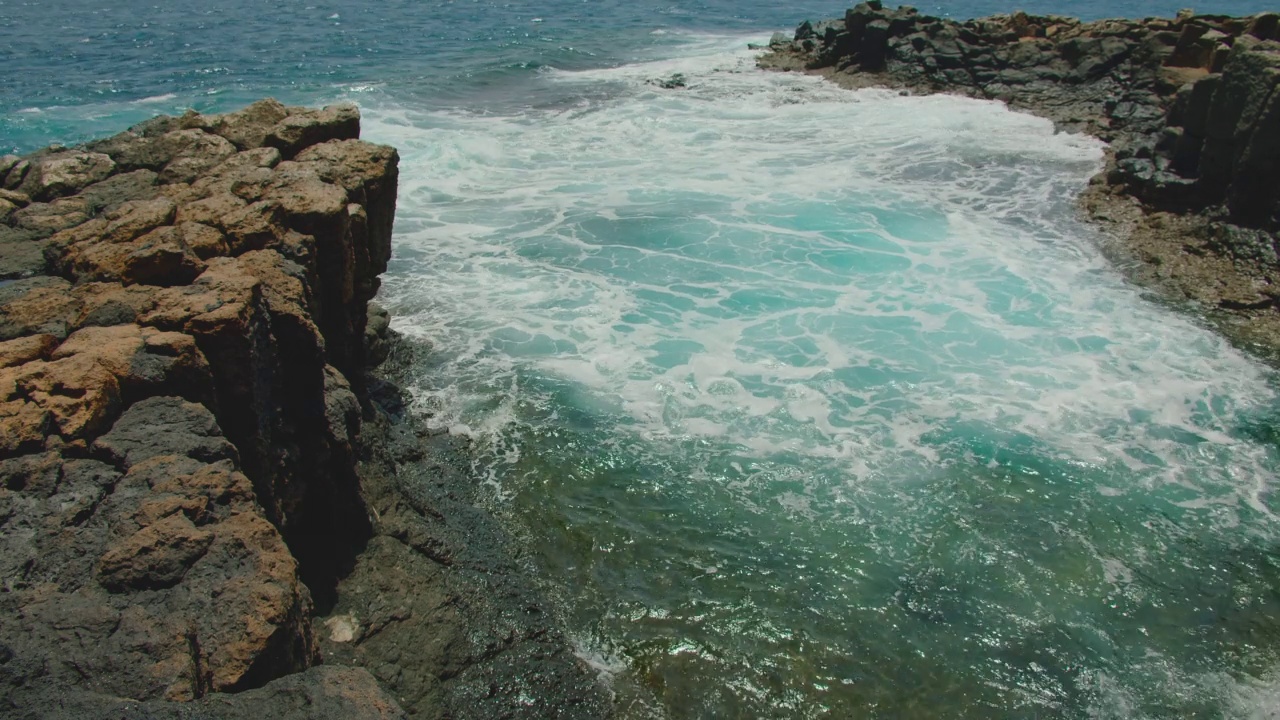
(211, 504)
(1190, 195)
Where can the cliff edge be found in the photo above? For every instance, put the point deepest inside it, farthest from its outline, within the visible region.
(1191, 191)
(186, 408)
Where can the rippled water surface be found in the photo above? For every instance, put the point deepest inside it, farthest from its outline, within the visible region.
(807, 402)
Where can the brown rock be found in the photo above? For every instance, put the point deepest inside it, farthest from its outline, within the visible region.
(131, 220)
(23, 425)
(79, 396)
(142, 547)
(155, 557)
(138, 217)
(204, 241)
(49, 218)
(25, 349)
(65, 173)
(306, 197)
(253, 227)
(369, 174)
(189, 589)
(15, 197)
(248, 128)
(210, 210)
(221, 302)
(311, 127)
(144, 360)
(242, 175)
(118, 189)
(107, 304)
(160, 257)
(39, 305)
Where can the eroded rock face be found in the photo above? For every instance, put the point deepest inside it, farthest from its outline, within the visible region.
(182, 325)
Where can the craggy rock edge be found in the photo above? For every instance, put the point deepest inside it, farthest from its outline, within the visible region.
(186, 411)
(1190, 195)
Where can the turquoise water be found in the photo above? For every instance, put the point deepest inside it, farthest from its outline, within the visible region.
(806, 402)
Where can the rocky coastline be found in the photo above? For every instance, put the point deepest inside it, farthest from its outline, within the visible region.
(1189, 199)
(213, 503)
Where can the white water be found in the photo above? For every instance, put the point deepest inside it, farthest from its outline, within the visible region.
(814, 306)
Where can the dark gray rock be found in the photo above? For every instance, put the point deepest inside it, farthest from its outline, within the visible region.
(1255, 184)
(321, 693)
(21, 253)
(1250, 76)
(165, 426)
(116, 190)
(437, 607)
(378, 335)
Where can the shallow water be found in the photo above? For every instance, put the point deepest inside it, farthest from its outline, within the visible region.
(807, 402)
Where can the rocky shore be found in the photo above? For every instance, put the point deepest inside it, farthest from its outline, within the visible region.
(212, 504)
(1190, 196)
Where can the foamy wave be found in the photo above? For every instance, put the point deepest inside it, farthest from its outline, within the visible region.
(155, 99)
(909, 233)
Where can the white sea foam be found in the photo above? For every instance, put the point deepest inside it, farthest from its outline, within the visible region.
(819, 308)
(929, 238)
(155, 99)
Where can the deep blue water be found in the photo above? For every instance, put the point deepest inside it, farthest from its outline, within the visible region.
(807, 402)
(83, 64)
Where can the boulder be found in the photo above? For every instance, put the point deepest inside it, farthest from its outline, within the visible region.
(45, 219)
(6, 164)
(64, 173)
(110, 194)
(311, 127)
(249, 128)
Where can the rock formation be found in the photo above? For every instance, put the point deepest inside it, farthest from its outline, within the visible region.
(180, 309)
(184, 389)
(1190, 106)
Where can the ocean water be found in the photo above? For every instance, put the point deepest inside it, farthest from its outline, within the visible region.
(806, 402)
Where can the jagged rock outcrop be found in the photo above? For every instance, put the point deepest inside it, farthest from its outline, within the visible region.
(1190, 106)
(204, 490)
(182, 341)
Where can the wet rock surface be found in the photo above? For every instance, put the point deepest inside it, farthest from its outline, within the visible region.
(1191, 191)
(186, 411)
(440, 606)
